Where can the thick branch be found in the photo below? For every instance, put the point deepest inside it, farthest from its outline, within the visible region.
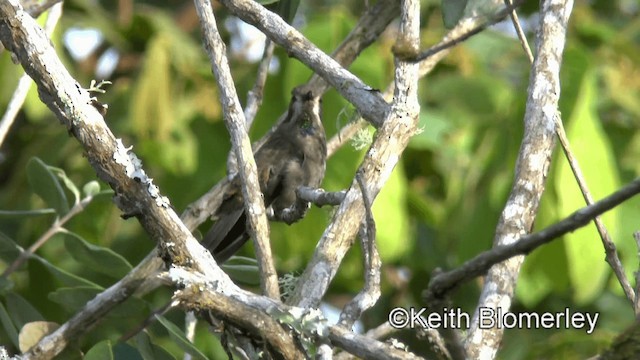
(251, 313)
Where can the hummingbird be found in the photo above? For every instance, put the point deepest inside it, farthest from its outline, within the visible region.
(294, 155)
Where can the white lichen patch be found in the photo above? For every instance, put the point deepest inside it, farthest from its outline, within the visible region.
(133, 169)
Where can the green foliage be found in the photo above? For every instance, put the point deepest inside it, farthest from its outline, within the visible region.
(96, 258)
(452, 11)
(149, 350)
(179, 338)
(46, 185)
(100, 351)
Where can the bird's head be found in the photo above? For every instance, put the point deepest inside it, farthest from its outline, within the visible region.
(305, 111)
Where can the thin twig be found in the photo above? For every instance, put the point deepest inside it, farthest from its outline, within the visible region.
(381, 331)
(255, 96)
(320, 197)
(450, 336)
(56, 227)
(496, 18)
(370, 292)
(611, 254)
(441, 284)
(518, 27)
(435, 339)
(190, 322)
(636, 305)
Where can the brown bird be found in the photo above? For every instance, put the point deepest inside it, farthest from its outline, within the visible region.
(294, 155)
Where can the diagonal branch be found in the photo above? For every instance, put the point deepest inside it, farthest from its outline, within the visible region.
(443, 283)
(367, 100)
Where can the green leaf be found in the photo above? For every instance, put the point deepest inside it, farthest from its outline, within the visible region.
(67, 182)
(124, 351)
(585, 253)
(391, 216)
(6, 285)
(452, 11)
(287, 9)
(180, 339)
(9, 250)
(74, 299)
(96, 258)
(44, 183)
(8, 326)
(21, 311)
(32, 332)
(241, 260)
(100, 351)
(67, 278)
(246, 274)
(434, 126)
(26, 213)
(545, 269)
(149, 350)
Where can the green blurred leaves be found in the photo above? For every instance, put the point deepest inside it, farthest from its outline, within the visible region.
(179, 337)
(45, 183)
(452, 11)
(96, 258)
(100, 351)
(593, 152)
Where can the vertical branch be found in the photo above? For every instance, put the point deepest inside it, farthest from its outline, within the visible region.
(235, 122)
(531, 171)
(254, 100)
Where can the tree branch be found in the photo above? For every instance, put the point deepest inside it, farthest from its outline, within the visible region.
(443, 283)
(251, 311)
(142, 278)
(531, 171)
(367, 100)
(390, 141)
(236, 124)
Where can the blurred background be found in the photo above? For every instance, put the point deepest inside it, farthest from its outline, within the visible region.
(439, 208)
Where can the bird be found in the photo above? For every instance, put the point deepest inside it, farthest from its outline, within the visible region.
(294, 155)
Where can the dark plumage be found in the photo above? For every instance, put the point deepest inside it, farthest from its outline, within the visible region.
(293, 156)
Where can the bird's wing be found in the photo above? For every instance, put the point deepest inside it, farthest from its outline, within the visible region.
(229, 236)
(229, 232)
